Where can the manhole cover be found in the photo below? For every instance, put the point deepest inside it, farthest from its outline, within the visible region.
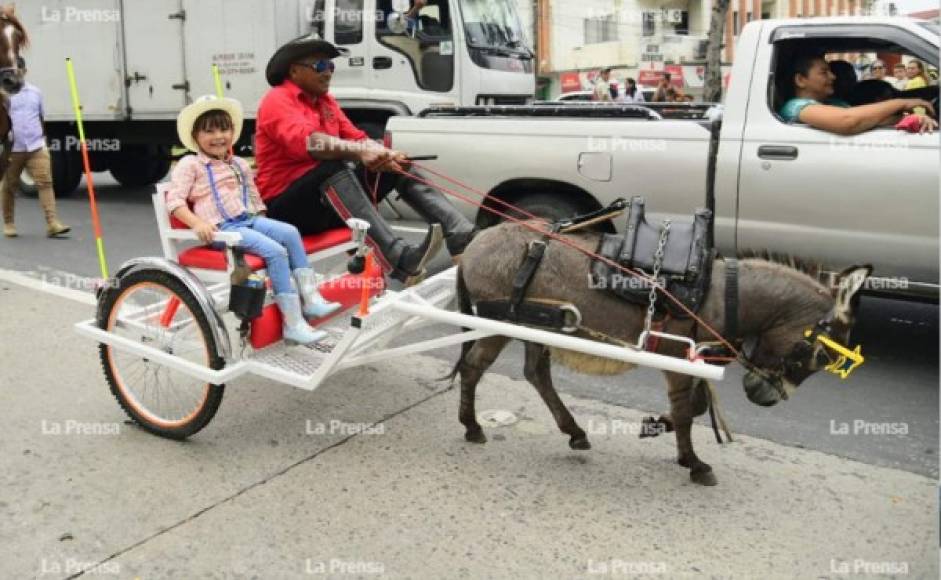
(496, 418)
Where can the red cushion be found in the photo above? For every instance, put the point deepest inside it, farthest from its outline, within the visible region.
(208, 258)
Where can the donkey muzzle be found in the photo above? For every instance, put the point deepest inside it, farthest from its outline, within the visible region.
(761, 391)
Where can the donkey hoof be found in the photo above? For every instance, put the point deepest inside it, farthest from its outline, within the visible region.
(580, 443)
(475, 436)
(707, 478)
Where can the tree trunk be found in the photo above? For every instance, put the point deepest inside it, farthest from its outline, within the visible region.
(713, 82)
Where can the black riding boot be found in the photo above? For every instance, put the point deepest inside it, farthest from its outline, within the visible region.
(434, 207)
(344, 192)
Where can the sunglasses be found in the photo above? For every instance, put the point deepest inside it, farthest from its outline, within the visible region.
(320, 66)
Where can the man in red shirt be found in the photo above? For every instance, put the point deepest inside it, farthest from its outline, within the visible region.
(304, 144)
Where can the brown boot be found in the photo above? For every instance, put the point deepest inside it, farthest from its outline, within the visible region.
(47, 199)
(9, 230)
(55, 228)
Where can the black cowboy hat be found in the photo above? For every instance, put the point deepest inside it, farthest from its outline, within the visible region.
(295, 50)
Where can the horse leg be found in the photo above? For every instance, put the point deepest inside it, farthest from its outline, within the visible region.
(472, 367)
(681, 411)
(538, 371)
(699, 401)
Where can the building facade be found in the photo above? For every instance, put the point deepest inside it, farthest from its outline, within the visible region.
(642, 39)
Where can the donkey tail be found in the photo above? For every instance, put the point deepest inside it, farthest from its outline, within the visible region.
(464, 305)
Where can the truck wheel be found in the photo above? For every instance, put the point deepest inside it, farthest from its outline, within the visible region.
(546, 205)
(66, 172)
(140, 166)
(27, 186)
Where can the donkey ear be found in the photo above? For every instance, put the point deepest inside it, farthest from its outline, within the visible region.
(848, 284)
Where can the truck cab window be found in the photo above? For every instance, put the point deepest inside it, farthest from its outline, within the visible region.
(424, 37)
(348, 22)
(864, 70)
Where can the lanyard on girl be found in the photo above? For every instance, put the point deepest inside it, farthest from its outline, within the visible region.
(218, 199)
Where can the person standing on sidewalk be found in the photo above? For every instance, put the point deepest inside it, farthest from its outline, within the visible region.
(29, 152)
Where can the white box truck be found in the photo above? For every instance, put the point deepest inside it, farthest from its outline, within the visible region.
(139, 62)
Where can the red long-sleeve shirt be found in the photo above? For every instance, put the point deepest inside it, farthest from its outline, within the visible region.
(286, 117)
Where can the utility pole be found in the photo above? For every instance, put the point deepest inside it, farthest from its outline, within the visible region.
(712, 92)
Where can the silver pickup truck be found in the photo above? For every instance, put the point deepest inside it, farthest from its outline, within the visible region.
(782, 187)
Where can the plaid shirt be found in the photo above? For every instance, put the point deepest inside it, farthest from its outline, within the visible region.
(189, 185)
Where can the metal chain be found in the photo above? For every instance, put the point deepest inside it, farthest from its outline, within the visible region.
(657, 263)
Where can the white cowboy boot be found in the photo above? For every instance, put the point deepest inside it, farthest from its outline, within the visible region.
(295, 328)
(315, 305)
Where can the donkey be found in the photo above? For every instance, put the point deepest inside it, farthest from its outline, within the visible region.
(13, 37)
(777, 304)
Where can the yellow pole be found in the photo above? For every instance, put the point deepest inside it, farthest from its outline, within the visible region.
(96, 223)
(218, 79)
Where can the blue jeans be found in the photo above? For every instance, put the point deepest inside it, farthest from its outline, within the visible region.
(277, 243)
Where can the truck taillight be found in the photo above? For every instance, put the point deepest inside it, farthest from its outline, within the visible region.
(387, 140)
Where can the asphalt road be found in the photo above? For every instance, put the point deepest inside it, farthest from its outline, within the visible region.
(896, 391)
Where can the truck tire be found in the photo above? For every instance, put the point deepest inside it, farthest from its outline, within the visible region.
(66, 172)
(545, 205)
(27, 186)
(140, 166)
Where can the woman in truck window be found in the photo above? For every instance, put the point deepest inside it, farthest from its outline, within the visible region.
(812, 87)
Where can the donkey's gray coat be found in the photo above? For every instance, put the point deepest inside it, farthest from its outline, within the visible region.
(776, 305)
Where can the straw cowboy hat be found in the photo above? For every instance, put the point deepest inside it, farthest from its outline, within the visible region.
(189, 114)
(295, 50)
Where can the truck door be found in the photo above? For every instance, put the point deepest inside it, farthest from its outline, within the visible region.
(869, 198)
(346, 28)
(154, 65)
(413, 50)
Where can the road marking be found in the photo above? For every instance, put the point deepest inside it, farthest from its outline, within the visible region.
(34, 283)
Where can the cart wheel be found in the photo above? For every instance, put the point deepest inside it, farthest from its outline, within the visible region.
(155, 308)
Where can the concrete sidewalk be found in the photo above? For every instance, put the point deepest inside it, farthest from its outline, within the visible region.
(280, 485)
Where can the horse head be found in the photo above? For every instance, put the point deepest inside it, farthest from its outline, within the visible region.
(13, 37)
(808, 337)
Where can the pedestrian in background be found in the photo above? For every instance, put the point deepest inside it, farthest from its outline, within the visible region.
(29, 152)
(631, 93)
(917, 77)
(877, 70)
(901, 76)
(664, 92)
(603, 86)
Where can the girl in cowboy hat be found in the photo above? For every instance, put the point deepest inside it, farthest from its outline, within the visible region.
(214, 191)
